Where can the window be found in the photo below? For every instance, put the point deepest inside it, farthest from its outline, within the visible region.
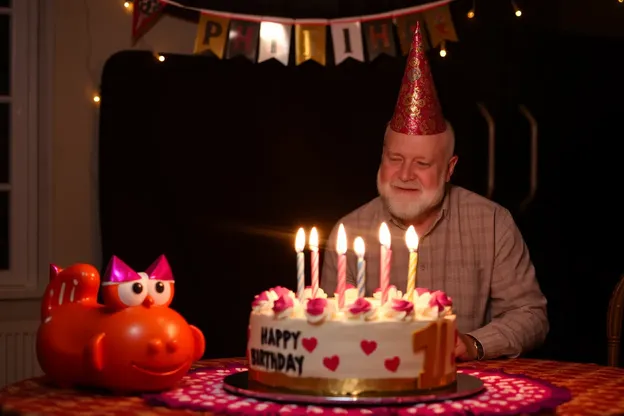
(19, 147)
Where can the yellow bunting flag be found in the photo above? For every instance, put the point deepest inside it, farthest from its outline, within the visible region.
(440, 25)
(310, 42)
(406, 25)
(212, 34)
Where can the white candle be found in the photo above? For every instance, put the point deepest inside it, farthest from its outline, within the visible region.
(385, 258)
(299, 246)
(314, 249)
(358, 247)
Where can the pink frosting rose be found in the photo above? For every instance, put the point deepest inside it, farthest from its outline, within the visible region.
(401, 305)
(316, 306)
(282, 303)
(440, 299)
(361, 305)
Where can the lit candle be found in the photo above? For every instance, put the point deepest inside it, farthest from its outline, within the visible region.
(358, 247)
(314, 248)
(411, 239)
(386, 255)
(299, 246)
(341, 249)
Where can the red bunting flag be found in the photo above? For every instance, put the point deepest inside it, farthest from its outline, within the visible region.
(145, 14)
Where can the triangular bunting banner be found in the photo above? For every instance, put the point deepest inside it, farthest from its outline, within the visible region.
(261, 38)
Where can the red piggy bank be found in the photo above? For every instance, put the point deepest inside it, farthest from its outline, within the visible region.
(132, 343)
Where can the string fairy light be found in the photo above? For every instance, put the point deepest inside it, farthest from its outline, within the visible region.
(471, 12)
(517, 10)
(128, 5)
(443, 49)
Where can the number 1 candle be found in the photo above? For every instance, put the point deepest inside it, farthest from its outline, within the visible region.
(314, 249)
(341, 249)
(358, 247)
(299, 246)
(411, 239)
(384, 264)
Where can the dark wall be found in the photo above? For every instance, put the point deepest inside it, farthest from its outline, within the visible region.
(216, 163)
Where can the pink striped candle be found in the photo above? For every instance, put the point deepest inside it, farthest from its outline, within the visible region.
(299, 246)
(384, 263)
(341, 249)
(314, 249)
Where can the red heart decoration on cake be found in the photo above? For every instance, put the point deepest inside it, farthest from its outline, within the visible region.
(331, 362)
(309, 343)
(392, 364)
(368, 346)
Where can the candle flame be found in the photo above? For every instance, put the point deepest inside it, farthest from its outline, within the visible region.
(411, 239)
(341, 242)
(384, 235)
(314, 239)
(300, 240)
(358, 246)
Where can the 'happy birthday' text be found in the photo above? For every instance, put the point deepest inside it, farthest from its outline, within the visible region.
(279, 338)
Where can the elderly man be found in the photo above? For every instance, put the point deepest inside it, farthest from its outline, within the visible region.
(469, 246)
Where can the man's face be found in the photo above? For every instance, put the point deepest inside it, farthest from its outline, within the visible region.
(413, 173)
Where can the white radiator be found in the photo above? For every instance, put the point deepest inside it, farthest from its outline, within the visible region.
(18, 357)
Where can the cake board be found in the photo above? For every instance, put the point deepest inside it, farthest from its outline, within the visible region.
(239, 384)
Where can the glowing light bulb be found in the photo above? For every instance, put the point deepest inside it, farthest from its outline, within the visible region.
(471, 13)
(96, 98)
(127, 4)
(442, 51)
(161, 58)
(518, 13)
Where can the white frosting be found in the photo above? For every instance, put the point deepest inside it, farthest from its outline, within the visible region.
(393, 293)
(375, 342)
(351, 295)
(364, 349)
(307, 293)
(260, 306)
(422, 310)
(425, 311)
(393, 314)
(362, 315)
(327, 313)
(286, 313)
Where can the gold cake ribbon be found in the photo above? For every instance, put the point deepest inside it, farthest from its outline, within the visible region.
(347, 386)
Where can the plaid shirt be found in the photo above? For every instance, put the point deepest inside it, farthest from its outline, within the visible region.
(474, 252)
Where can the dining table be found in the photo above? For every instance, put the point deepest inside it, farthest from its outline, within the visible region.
(583, 389)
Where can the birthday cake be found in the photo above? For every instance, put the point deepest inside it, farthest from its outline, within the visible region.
(367, 346)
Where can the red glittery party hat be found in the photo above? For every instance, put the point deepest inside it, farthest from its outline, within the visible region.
(418, 111)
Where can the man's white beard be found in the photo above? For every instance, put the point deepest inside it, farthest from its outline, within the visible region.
(405, 207)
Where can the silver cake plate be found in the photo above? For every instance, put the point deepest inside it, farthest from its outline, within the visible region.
(239, 384)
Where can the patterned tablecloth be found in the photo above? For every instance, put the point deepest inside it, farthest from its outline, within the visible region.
(596, 390)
